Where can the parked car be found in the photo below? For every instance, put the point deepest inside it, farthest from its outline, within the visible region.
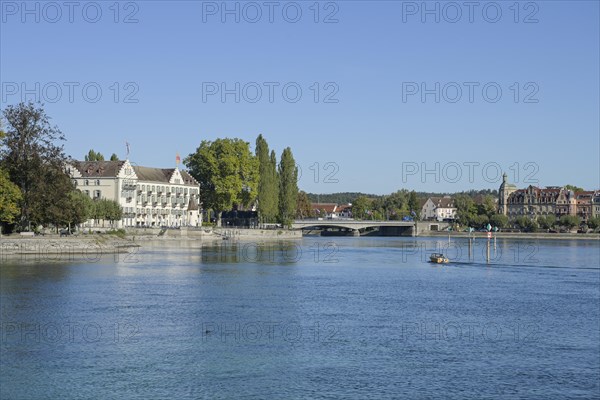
(65, 232)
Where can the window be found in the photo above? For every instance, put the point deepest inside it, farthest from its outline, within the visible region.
(97, 182)
(97, 194)
(86, 182)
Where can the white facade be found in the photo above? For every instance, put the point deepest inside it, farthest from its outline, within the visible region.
(149, 196)
(439, 209)
(442, 213)
(428, 210)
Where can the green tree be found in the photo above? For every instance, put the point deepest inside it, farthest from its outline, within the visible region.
(267, 183)
(114, 157)
(574, 188)
(51, 202)
(10, 196)
(227, 172)
(376, 215)
(288, 187)
(93, 156)
(526, 224)
(413, 205)
(114, 211)
(304, 206)
(99, 210)
(106, 210)
(394, 206)
(30, 153)
(499, 220)
(546, 222)
(479, 220)
(81, 208)
(569, 221)
(594, 222)
(487, 207)
(360, 207)
(275, 175)
(466, 210)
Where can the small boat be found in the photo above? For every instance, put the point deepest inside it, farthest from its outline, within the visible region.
(438, 258)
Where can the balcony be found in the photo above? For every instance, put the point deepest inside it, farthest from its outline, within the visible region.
(129, 185)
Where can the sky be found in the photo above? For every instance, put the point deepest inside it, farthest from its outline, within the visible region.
(372, 96)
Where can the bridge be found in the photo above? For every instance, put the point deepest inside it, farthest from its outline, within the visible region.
(395, 228)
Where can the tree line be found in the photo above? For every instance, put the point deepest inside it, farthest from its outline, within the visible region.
(350, 197)
(97, 156)
(396, 206)
(35, 188)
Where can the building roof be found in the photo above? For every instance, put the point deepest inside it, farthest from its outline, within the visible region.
(98, 169)
(537, 190)
(441, 202)
(328, 207)
(110, 169)
(444, 202)
(188, 179)
(153, 174)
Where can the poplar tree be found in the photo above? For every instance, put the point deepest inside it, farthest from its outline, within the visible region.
(267, 184)
(288, 187)
(94, 156)
(275, 177)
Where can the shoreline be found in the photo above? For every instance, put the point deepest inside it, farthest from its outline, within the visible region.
(515, 235)
(96, 245)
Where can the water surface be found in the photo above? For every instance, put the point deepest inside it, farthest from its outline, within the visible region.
(318, 318)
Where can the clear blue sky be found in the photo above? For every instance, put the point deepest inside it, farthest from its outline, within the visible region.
(371, 55)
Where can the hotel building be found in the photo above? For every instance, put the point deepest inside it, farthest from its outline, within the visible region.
(149, 196)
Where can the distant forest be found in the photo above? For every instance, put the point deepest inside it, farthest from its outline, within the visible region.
(349, 197)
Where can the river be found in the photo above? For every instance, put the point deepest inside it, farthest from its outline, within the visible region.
(316, 318)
